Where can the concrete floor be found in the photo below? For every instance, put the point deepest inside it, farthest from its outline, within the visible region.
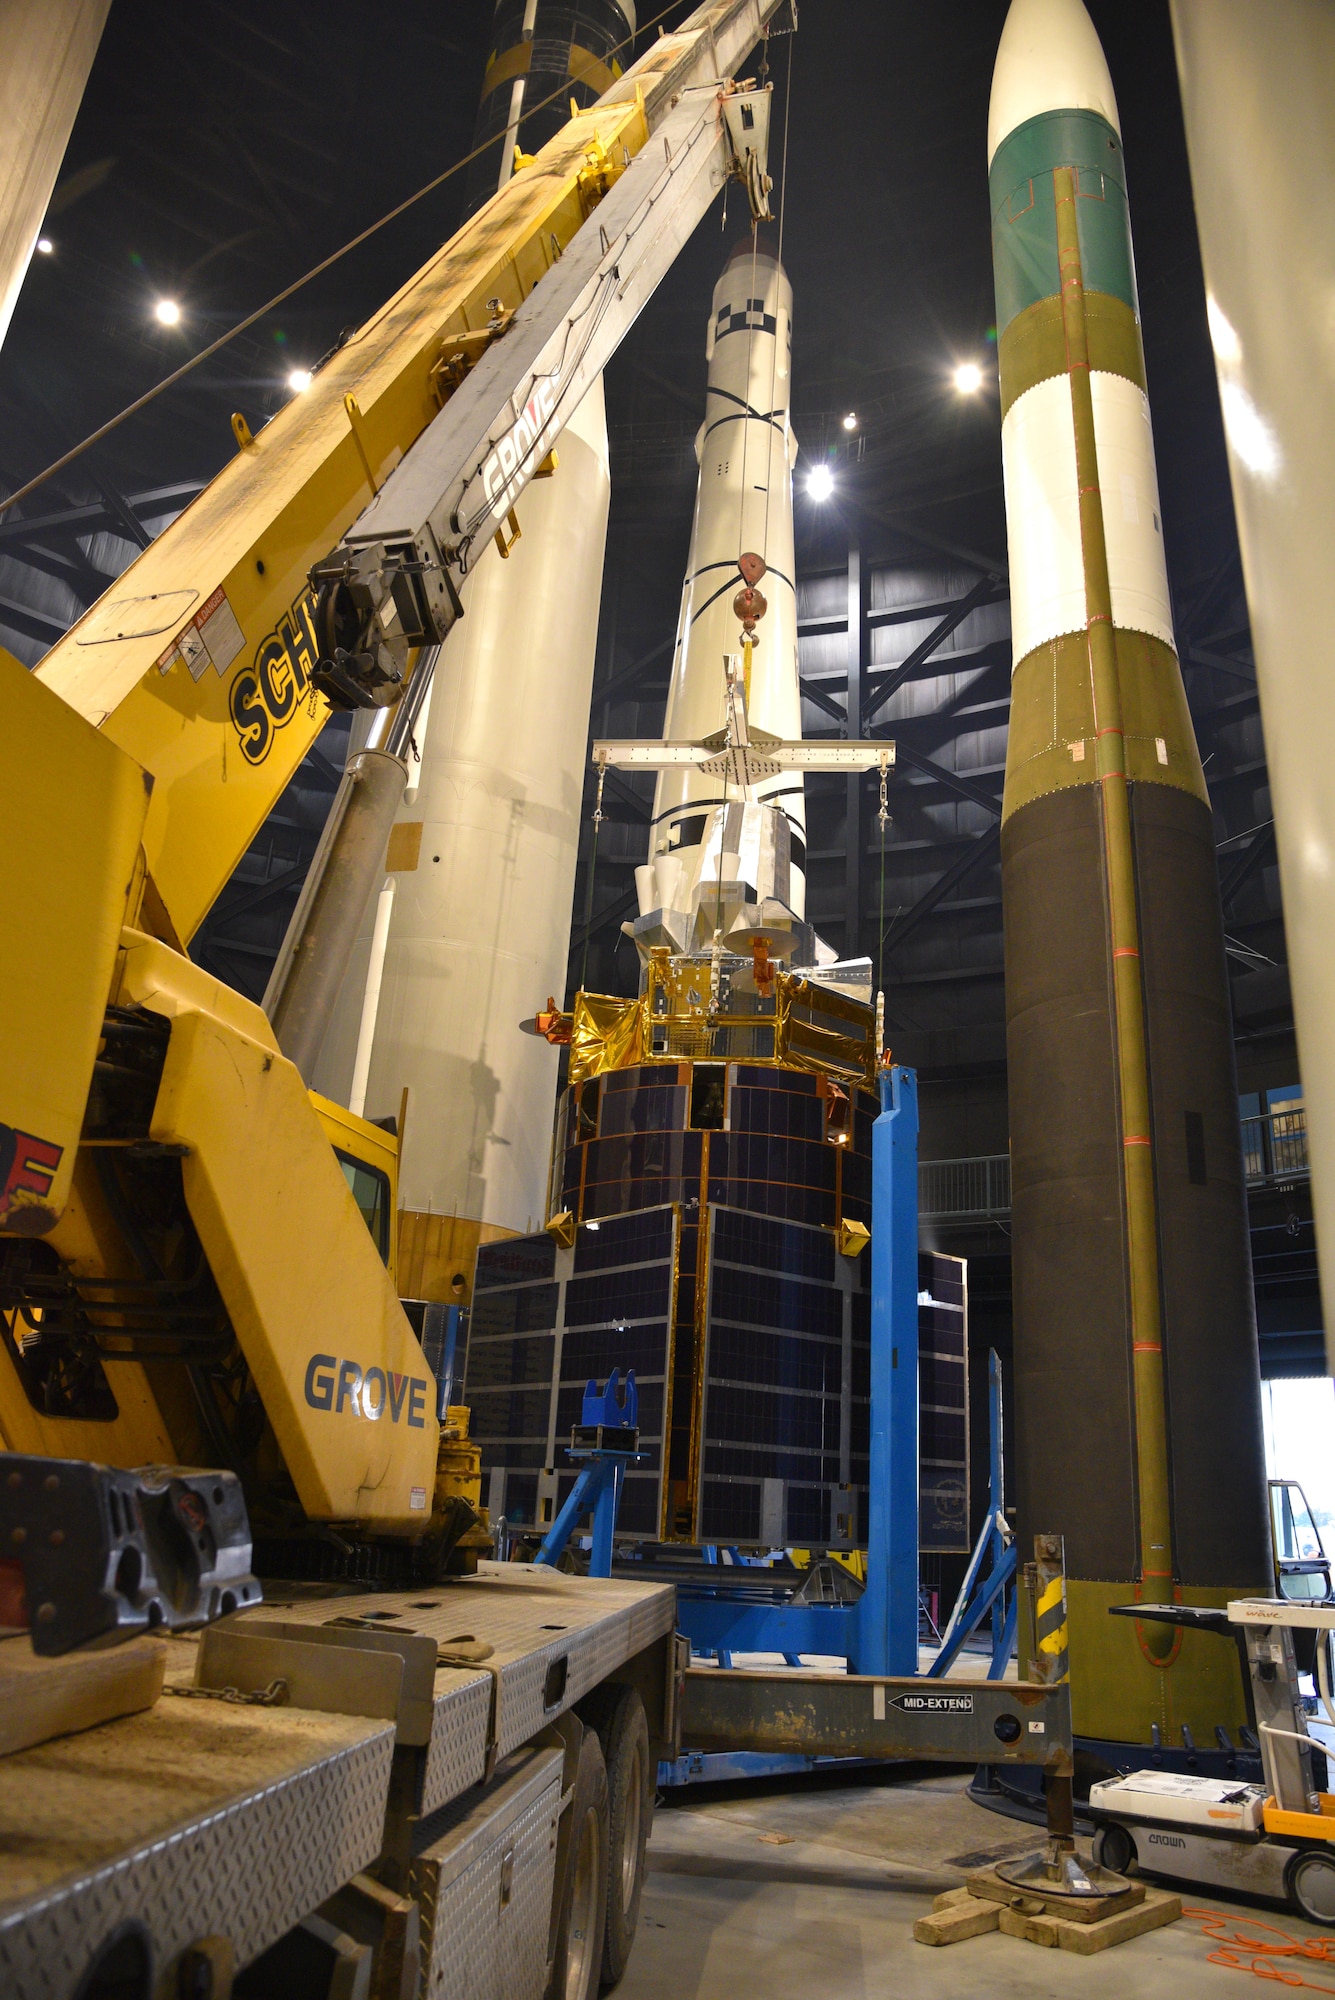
(811, 1892)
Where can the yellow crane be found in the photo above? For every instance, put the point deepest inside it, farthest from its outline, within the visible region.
(196, 1253)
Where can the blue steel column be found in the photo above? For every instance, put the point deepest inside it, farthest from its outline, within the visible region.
(887, 1623)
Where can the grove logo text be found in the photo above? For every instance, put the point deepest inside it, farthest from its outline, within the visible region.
(337, 1385)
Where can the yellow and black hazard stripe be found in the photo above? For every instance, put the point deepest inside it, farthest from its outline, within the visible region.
(1050, 1628)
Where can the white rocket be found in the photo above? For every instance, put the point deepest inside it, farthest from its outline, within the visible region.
(727, 851)
(475, 916)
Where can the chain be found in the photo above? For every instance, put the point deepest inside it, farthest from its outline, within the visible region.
(883, 820)
(273, 1696)
(593, 864)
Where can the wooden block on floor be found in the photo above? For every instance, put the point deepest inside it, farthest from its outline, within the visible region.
(952, 1899)
(959, 1921)
(1015, 1920)
(40, 1698)
(989, 1885)
(1159, 1907)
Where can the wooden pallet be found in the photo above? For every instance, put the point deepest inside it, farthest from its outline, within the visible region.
(964, 1913)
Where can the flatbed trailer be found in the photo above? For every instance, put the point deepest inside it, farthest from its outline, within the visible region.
(380, 1785)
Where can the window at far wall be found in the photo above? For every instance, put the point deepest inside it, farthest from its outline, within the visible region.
(1299, 1419)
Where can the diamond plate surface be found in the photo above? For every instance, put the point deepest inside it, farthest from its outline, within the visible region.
(530, 1617)
(457, 1753)
(474, 1943)
(248, 1869)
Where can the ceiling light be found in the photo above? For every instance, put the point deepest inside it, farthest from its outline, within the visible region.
(851, 421)
(820, 483)
(45, 245)
(968, 378)
(167, 312)
(299, 379)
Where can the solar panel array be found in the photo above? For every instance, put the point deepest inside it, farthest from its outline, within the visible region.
(544, 1320)
(704, 1199)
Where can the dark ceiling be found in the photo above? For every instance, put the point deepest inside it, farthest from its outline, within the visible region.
(222, 150)
(219, 153)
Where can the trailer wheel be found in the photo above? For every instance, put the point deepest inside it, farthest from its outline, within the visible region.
(1114, 1848)
(1312, 1886)
(617, 1713)
(577, 1960)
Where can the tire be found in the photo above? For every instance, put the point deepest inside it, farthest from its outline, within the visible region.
(1114, 1848)
(617, 1713)
(578, 1957)
(1312, 1886)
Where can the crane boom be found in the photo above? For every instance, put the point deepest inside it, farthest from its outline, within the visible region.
(199, 662)
(197, 1257)
(421, 535)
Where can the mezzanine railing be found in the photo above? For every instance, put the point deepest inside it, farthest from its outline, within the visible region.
(1274, 1149)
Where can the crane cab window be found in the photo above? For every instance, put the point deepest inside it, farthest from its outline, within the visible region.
(370, 1191)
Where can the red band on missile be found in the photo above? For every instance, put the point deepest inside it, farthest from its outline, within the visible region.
(1126, 951)
(1146, 1347)
(1136, 1140)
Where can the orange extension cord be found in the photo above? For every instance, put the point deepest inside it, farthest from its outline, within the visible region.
(1239, 1948)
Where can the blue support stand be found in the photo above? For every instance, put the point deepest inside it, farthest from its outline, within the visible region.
(885, 1636)
(878, 1634)
(604, 1445)
(991, 1570)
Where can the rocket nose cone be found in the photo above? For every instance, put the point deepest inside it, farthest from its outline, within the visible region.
(1049, 59)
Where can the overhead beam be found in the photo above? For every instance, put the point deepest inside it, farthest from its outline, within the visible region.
(263, 892)
(32, 624)
(628, 796)
(884, 686)
(612, 913)
(898, 614)
(322, 767)
(627, 676)
(1198, 656)
(96, 515)
(87, 582)
(813, 693)
(123, 515)
(952, 780)
(1245, 865)
(980, 850)
(994, 652)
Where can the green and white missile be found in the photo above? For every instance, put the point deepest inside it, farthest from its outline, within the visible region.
(1137, 1387)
